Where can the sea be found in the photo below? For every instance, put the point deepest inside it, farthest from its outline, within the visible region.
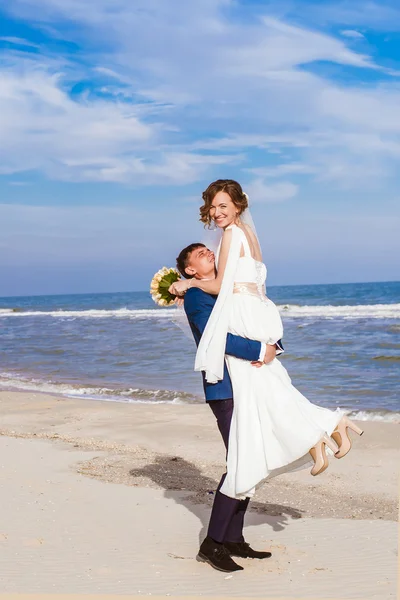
(342, 347)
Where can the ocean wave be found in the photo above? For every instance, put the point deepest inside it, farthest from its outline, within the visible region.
(358, 311)
(385, 416)
(9, 381)
(131, 395)
(119, 313)
(295, 311)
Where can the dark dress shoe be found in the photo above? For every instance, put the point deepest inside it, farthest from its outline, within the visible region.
(243, 550)
(217, 556)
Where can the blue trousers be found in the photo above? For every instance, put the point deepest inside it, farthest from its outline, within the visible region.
(227, 515)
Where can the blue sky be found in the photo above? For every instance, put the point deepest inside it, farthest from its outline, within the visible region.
(116, 114)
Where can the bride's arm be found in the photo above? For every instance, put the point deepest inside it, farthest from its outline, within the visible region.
(213, 286)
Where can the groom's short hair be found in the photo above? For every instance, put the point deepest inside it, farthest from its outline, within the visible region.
(182, 260)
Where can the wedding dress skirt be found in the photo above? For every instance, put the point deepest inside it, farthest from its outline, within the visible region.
(273, 425)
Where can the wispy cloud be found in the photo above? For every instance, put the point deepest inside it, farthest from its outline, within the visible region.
(259, 190)
(283, 170)
(287, 97)
(377, 16)
(17, 41)
(171, 98)
(352, 33)
(47, 130)
(84, 138)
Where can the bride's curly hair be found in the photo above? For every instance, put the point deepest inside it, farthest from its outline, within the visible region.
(231, 187)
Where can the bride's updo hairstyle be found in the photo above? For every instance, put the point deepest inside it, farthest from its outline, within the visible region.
(229, 186)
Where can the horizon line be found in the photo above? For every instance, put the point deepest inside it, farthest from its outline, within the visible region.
(148, 292)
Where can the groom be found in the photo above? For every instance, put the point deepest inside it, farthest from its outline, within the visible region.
(225, 531)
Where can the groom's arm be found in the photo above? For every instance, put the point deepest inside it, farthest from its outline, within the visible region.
(198, 307)
(243, 348)
(232, 340)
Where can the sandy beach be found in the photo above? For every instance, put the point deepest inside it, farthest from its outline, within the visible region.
(106, 497)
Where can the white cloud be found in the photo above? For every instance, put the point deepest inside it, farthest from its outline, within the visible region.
(173, 168)
(83, 139)
(235, 141)
(174, 74)
(284, 169)
(376, 110)
(44, 128)
(352, 33)
(377, 16)
(18, 41)
(260, 191)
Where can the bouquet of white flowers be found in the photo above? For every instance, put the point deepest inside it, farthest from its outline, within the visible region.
(160, 283)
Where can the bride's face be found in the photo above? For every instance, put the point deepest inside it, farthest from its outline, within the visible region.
(222, 210)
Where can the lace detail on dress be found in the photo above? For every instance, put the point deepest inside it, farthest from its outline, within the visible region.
(260, 280)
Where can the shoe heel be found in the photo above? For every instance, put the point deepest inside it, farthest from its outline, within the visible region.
(342, 438)
(353, 427)
(331, 444)
(319, 457)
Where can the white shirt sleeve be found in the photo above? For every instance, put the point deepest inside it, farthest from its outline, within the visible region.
(262, 351)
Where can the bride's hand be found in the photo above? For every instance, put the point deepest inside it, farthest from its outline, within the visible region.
(257, 363)
(178, 301)
(270, 354)
(180, 287)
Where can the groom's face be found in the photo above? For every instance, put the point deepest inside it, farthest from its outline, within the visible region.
(201, 263)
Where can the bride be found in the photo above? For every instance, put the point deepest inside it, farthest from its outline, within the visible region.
(274, 428)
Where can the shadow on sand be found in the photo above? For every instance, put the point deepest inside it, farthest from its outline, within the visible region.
(187, 485)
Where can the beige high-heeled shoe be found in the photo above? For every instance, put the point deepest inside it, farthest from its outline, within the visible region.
(318, 454)
(341, 437)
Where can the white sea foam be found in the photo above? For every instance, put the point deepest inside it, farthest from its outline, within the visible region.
(136, 395)
(120, 313)
(9, 381)
(358, 311)
(375, 415)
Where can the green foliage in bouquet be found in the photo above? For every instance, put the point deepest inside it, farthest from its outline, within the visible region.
(160, 283)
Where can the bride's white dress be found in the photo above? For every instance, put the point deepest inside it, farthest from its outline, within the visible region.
(273, 425)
